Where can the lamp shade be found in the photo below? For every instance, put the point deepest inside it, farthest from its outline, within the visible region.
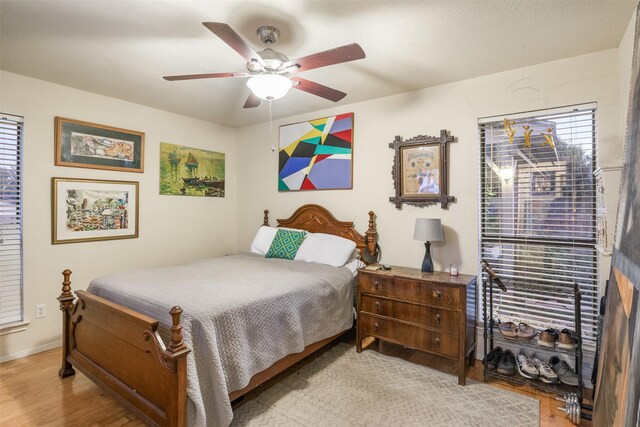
(269, 86)
(428, 230)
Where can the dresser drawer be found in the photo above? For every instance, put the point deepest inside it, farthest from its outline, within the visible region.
(445, 320)
(411, 290)
(408, 335)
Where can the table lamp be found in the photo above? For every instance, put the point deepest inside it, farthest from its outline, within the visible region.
(427, 230)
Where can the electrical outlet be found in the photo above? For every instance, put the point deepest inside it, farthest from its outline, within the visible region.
(41, 311)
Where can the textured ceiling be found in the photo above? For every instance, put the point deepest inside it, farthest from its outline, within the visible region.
(123, 48)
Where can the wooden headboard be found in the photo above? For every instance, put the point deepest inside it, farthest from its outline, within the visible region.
(316, 219)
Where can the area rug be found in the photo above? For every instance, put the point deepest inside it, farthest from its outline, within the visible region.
(344, 388)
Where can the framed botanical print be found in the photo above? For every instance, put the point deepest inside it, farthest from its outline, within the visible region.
(420, 170)
(89, 145)
(88, 210)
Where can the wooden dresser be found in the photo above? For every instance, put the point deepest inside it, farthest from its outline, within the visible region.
(431, 312)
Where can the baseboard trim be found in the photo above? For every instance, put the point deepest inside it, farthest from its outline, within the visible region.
(30, 351)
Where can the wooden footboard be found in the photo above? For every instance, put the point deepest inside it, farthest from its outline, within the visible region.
(120, 350)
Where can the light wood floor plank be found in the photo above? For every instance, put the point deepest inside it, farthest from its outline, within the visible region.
(32, 394)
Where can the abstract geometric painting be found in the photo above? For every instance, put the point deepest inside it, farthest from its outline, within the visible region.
(316, 155)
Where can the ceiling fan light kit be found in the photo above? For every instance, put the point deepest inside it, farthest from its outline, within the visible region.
(269, 86)
(269, 70)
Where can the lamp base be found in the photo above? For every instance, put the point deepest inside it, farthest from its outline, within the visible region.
(427, 263)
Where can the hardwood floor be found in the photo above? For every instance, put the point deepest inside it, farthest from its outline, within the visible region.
(32, 394)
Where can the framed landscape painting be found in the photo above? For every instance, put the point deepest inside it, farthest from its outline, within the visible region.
(317, 154)
(86, 210)
(89, 145)
(187, 171)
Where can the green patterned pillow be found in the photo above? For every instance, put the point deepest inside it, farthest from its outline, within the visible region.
(285, 244)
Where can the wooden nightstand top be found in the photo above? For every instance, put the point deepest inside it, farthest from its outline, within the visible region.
(416, 274)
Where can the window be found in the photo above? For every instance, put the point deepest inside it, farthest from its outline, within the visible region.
(537, 223)
(10, 219)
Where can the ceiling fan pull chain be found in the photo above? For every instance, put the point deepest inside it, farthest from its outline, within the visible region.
(273, 147)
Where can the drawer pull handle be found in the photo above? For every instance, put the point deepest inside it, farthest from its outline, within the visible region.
(438, 318)
(377, 285)
(437, 295)
(437, 342)
(378, 306)
(375, 327)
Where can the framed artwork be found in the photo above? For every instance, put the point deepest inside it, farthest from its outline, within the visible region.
(186, 171)
(89, 145)
(316, 154)
(420, 170)
(89, 210)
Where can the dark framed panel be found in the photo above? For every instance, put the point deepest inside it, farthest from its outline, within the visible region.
(89, 145)
(420, 170)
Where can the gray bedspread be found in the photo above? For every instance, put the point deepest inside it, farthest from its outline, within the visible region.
(241, 314)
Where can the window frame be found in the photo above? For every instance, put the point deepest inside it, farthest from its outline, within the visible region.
(589, 324)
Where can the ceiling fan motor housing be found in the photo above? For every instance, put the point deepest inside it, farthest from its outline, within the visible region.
(268, 35)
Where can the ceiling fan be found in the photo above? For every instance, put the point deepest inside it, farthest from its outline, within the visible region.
(269, 70)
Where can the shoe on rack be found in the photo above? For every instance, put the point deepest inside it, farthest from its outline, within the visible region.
(547, 375)
(493, 358)
(507, 363)
(525, 331)
(525, 366)
(567, 339)
(564, 371)
(509, 329)
(548, 338)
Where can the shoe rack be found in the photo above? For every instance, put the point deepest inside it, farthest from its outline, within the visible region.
(492, 335)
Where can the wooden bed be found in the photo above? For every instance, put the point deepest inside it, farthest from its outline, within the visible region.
(121, 351)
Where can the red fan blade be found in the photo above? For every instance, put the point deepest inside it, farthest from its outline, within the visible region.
(252, 101)
(347, 53)
(318, 89)
(234, 40)
(205, 76)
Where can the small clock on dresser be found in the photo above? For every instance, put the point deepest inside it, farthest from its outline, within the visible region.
(431, 312)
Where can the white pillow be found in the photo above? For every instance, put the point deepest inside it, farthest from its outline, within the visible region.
(263, 239)
(353, 265)
(325, 249)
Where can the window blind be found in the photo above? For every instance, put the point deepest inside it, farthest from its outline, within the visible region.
(537, 222)
(10, 219)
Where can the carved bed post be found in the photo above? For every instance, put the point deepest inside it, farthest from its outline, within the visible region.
(371, 235)
(66, 303)
(266, 217)
(177, 342)
(178, 350)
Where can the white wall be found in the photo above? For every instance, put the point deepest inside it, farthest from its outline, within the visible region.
(172, 228)
(456, 107)
(625, 57)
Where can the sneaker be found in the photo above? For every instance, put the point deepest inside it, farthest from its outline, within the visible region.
(567, 339)
(548, 337)
(507, 363)
(546, 373)
(493, 358)
(564, 371)
(525, 366)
